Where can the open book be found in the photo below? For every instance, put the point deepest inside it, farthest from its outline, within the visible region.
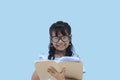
(74, 68)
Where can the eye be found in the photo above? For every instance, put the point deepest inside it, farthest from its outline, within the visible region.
(65, 38)
(55, 39)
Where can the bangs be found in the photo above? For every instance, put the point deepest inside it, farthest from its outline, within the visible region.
(61, 30)
(60, 27)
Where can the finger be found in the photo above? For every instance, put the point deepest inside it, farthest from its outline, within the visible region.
(63, 70)
(51, 73)
(53, 69)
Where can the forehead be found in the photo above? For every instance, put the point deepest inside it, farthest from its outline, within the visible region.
(58, 33)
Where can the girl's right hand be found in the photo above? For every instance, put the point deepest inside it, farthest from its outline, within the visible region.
(58, 75)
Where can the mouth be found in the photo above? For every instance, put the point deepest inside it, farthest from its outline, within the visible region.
(60, 46)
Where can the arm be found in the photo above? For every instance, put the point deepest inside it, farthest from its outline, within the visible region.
(35, 76)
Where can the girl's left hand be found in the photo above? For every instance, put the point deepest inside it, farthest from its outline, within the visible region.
(56, 74)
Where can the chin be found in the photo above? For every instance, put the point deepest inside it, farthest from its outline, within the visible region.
(60, 49)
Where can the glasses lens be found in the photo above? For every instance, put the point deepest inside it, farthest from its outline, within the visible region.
(55, 39)
(65, 38)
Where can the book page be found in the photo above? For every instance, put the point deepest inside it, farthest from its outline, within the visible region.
(42, 67)
(72, 69)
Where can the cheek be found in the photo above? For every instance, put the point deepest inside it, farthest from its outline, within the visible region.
(67, 44)
(54, 44)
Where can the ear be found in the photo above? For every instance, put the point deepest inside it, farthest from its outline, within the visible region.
(70, 38)
(51, 42)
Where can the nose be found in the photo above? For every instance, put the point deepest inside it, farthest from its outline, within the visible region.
(60, 41)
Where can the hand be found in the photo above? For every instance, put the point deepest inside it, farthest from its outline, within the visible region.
(58, 75)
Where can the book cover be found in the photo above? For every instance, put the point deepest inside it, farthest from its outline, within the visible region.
(73, 68)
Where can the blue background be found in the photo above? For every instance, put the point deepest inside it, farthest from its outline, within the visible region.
(24, 26)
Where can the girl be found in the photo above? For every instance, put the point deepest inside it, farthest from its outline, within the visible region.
(60, 46)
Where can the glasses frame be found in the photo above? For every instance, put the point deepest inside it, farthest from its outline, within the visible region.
(60, 38)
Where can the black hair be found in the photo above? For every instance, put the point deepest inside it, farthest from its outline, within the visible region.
(64, 28)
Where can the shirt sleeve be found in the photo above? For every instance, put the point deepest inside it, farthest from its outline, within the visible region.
(41, 58)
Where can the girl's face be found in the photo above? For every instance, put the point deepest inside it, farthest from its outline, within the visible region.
(60, 42)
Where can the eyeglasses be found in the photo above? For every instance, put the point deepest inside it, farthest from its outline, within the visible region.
(63, 38)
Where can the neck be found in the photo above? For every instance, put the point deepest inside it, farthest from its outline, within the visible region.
(60, 53)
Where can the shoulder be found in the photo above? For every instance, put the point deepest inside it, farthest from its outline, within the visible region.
(41, 58)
